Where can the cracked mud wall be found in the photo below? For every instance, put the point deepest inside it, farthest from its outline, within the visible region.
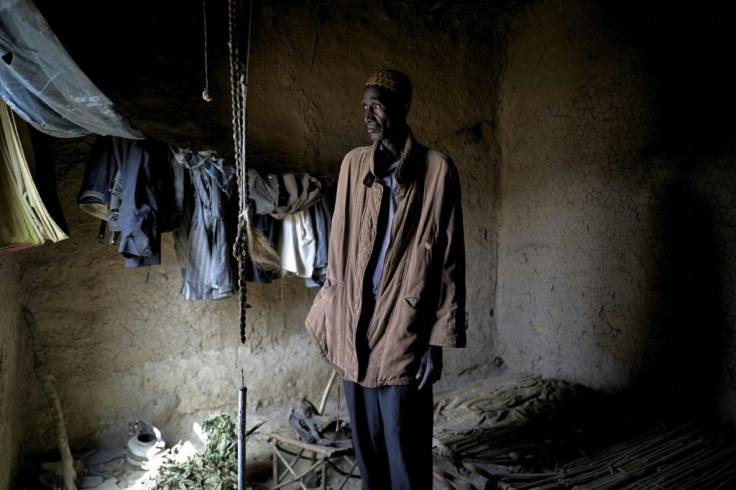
(712, 324)
(576, 218)
(123, 343)
(10, 376)
(615, 262)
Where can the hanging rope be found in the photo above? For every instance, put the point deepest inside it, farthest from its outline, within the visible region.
(206, 92)
(239, 92)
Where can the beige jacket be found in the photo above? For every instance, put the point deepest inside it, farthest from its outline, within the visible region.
(421, 297)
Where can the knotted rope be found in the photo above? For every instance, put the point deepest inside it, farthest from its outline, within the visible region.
(239, 92)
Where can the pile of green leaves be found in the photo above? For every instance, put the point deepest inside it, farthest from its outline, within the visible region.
(215, 468)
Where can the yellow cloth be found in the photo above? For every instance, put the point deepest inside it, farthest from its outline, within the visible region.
(24, 220)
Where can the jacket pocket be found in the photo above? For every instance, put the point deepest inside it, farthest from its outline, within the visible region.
(419, 271)
(409, 316)
(324, 315)
(412, 302)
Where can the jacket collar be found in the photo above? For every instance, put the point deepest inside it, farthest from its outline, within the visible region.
(406, 170)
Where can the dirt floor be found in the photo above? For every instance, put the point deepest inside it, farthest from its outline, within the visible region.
(130, 478)
(109, 468)
(508, 431)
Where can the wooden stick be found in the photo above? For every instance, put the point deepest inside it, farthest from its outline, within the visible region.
(49, 389)
(327, 451)
(294, 461)
(326, 393)
(450, 481)
(297, 477)
(723, 464)
(350, 474)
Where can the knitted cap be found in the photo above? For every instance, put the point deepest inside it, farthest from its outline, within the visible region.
(392, 81)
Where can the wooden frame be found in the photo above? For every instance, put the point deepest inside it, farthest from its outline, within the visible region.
(285, 444)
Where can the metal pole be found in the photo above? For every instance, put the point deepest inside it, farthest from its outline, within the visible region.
(241, 438)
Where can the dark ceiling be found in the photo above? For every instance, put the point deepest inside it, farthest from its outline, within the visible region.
(148, 57)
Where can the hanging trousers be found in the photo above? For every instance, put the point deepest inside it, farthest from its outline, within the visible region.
(392, 435)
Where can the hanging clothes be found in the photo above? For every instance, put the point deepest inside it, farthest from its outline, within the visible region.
(130, 183)
(297, 244)
(270, 228)
(146, 198)
(100, 171)
(282, 194)
(202, 242)
(321, 218)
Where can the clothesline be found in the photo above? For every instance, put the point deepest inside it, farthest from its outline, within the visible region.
(142, 188)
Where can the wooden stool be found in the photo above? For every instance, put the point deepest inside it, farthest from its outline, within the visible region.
(288, 450)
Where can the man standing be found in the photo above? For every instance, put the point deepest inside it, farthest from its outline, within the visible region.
(395, 288)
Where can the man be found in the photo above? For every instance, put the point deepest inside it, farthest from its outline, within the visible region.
(395, 288)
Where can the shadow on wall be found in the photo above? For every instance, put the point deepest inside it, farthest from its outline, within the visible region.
(690, 52)
(680, 374)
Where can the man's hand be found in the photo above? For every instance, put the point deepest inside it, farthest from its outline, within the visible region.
(430, 367)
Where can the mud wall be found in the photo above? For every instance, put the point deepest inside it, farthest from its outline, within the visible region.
(575, 250)
(10, 376)
(615, 259)
(123, 343)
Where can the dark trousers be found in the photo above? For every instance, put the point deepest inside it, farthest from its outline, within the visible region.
(392, 435)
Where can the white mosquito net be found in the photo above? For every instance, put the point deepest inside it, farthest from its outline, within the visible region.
(43, 85)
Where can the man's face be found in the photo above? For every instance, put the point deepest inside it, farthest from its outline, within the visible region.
(383, 114)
